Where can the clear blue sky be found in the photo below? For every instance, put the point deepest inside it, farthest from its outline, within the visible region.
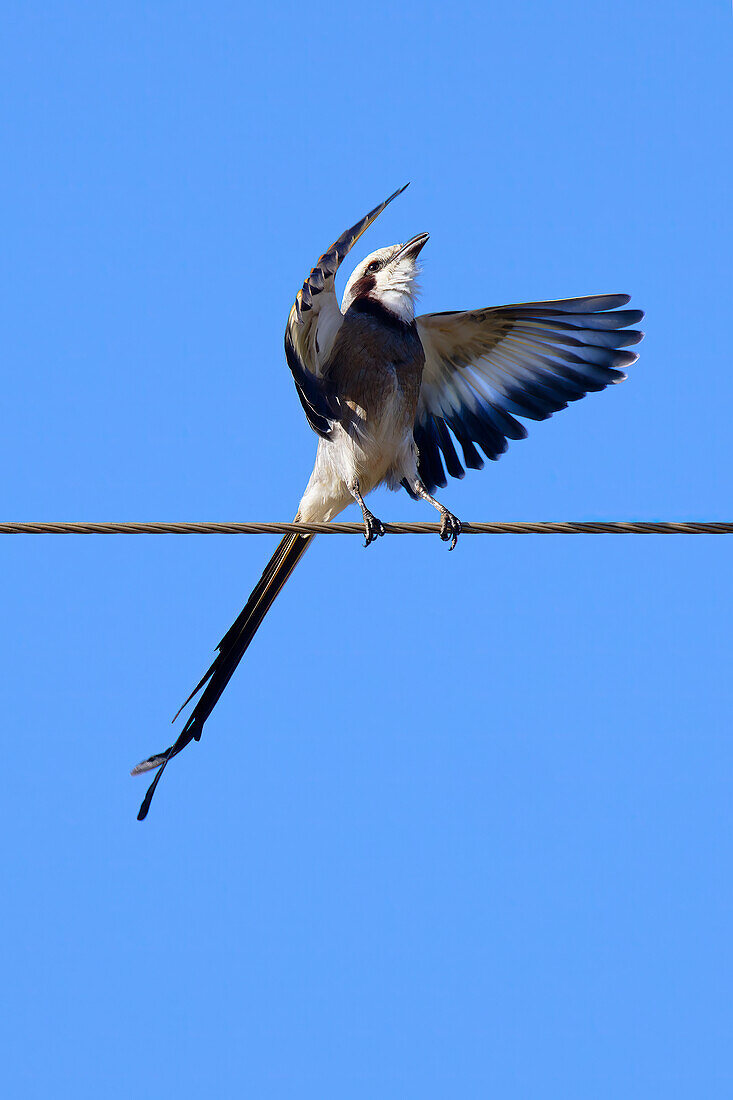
(461, 825)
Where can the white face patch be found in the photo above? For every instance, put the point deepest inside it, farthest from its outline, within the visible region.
(392, 283)
(399, 302)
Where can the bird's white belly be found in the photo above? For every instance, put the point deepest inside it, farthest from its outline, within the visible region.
(375, 449)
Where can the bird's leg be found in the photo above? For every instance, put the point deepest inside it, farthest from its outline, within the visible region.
(450, 525)
(373, 527)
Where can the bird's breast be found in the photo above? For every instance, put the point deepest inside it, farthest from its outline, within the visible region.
(376, 366)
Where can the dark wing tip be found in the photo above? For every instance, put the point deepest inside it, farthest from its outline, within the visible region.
(399, 191)
(370, 217)
(374, 213)
(341, 248)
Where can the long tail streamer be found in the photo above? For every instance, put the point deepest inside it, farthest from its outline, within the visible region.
(231, 649)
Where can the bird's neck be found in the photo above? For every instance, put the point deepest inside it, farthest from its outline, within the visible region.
(399, 303)
(384, 312)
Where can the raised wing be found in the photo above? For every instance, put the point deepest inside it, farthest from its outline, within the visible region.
(313, 323)
(486, 366)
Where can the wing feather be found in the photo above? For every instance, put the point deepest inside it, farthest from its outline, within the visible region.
(485, 367)
(314, 321)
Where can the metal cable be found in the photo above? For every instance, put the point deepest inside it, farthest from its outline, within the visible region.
(548, 528)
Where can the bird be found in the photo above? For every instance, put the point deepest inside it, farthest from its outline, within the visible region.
(392, 396)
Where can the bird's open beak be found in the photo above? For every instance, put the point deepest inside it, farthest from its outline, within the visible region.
(413, 247)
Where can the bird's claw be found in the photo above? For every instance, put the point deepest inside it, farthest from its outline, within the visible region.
(450, 529)
(373, 527)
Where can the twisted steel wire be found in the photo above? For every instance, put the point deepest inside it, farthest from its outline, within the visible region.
(494, 528)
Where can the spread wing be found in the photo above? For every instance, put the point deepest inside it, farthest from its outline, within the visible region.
(486, 366)
(313, 323)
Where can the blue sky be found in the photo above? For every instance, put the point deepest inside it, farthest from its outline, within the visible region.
(461, 824)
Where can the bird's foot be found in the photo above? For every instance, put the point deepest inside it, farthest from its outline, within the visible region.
(450, 528)
(373, 527)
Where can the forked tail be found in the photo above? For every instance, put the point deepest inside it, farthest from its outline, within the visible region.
(231, 649)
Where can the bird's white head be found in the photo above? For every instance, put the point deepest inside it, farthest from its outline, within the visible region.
(389, 277)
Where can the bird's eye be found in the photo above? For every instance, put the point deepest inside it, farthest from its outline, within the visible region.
(374, 266)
